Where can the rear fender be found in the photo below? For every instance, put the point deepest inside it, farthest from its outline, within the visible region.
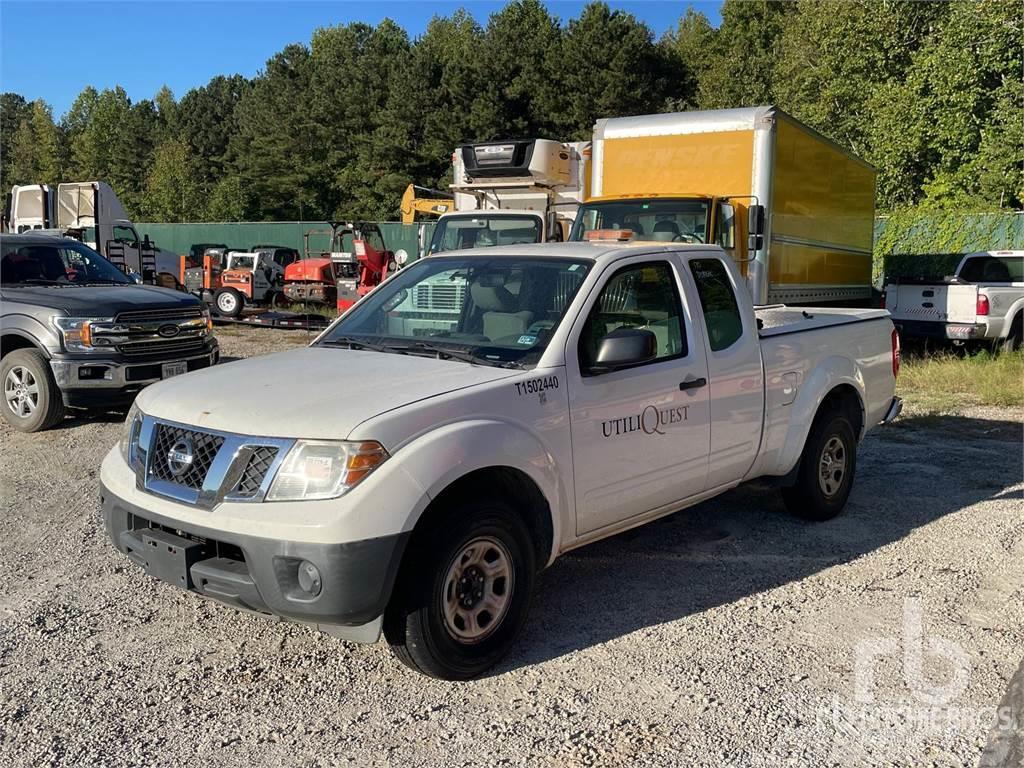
(826, 376)
(441, 457)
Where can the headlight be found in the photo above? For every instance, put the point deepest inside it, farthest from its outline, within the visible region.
(76, 332)
(322, 469)
(130, 434)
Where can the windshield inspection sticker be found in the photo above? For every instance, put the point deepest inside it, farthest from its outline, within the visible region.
(536, 386)
(526, 339)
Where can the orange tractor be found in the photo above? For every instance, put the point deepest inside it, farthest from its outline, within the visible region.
(337, 275)
(230, 280)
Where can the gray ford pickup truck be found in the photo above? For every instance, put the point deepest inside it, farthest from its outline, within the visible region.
(77, 332)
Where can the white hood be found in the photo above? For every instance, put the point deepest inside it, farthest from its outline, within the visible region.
(313, 392)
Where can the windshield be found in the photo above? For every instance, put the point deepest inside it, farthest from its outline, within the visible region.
(500, 311)
(453, 233)
(667, 221)
(64, 262)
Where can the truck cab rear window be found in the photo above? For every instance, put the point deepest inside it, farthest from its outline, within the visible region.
(993, 269)
(718, 302)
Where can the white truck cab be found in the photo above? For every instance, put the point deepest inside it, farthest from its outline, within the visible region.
(581, 389)
(513, 192)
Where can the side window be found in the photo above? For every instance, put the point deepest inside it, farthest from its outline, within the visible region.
(125, 235)
(718, 302)
(639, 296)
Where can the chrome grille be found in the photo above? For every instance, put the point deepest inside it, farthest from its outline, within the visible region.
(159, 315)
(170, 347)
(202, 447)
(255, 471)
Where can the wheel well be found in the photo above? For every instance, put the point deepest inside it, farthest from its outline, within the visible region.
(511, 484)
(845, 398)
(12, 341)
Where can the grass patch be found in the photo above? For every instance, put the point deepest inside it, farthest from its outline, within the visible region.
(948, 381)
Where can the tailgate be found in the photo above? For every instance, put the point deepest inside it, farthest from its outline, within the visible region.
(939, 302)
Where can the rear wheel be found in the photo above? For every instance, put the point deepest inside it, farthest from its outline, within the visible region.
(464, 591)
(229, 302)
(32, 400)
(827, 467)
(1013, 339)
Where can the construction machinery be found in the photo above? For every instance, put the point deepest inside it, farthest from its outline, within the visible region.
(422, 201)
(232, 280)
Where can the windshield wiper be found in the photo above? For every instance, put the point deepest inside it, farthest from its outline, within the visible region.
(353, 343)
(39, 281)
(103, 282)
(448, 353)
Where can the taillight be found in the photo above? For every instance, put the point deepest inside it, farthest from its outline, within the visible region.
(982, 308)
(895, 353)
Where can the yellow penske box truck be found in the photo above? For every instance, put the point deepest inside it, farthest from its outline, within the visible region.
(794, 209)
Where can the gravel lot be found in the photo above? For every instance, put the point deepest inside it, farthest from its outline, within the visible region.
(727, 634)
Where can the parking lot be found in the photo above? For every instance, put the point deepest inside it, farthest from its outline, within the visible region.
(727, 634)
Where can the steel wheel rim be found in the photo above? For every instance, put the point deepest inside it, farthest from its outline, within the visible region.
(832, 466)
(477, 590)
(21, 391)
(226, 302)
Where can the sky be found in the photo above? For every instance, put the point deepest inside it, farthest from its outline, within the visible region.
(144, 45)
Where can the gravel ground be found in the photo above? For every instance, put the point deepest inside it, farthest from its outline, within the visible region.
(728, 634)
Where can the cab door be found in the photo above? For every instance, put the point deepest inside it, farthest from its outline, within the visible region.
(640, 435)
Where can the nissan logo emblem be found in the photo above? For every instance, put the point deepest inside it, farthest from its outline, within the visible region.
(179, 458)
(168, 331)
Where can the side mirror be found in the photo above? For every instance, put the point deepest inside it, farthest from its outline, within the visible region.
(755, 228)
(624, 347)
(401, 257)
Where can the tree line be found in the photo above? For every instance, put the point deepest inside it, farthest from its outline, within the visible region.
(931, 93)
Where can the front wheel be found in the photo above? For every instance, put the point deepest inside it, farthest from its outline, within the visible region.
(32, 400)
(463, 592)
(827, 467)
(229, 302)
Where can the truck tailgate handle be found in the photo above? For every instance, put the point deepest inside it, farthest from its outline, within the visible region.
(693, 384)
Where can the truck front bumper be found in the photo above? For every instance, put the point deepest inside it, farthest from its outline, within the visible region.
(98, 380)
(342, 588)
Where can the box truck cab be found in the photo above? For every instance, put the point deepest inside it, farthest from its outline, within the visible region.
(511, 193)
(792, 208)
(90, 211)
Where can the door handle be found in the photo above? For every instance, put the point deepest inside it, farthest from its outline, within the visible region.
(693, 384)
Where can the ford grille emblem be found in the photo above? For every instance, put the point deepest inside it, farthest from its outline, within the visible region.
(179, 458)
(168, 331)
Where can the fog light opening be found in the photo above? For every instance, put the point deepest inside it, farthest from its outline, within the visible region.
(309, 578)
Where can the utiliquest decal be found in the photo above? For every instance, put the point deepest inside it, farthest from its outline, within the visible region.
(651, 421)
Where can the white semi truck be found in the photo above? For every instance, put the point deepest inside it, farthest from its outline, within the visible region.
(91, 212)
(581, 389)
(511, 192)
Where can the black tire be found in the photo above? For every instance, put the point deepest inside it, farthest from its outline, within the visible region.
(819, 494)
(1013, 339)
(26, 375)
(415, 623)
(229, 302)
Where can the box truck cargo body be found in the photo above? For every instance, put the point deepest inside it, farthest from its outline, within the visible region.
(794, 209)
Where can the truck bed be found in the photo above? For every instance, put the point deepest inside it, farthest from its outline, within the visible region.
(781, 320)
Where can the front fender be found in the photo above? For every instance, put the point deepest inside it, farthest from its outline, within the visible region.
(442, 456)
(29, 328)
(826, 376)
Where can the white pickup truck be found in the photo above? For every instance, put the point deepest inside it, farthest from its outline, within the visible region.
(415, 480)
(982, 302)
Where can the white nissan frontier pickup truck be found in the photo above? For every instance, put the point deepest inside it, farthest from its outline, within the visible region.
(476, 416)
